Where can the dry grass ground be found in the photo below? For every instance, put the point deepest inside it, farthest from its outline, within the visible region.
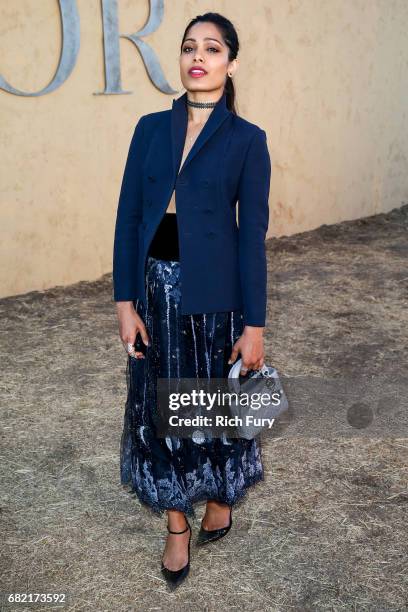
(325, 530)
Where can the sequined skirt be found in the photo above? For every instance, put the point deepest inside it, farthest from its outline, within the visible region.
(174, 473)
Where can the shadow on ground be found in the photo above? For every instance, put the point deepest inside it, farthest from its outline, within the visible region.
(325, 530)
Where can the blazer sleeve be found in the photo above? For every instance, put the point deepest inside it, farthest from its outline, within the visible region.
(253, 220)
(128, 217)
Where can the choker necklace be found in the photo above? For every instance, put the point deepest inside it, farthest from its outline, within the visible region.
(201, 104)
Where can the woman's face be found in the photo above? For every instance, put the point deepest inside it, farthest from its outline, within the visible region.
(204, 49)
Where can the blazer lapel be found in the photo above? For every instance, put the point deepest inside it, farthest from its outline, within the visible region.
(179, 120)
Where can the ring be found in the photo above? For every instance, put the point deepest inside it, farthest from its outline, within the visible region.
(130, 349)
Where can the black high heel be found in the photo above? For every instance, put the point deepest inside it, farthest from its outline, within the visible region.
(175, 577)
(205, 536)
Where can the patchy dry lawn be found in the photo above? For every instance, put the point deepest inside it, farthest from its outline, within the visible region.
(326, 530)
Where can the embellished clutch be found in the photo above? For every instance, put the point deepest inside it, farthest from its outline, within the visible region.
(256, 416)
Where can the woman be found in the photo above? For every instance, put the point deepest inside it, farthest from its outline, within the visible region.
(191, 287)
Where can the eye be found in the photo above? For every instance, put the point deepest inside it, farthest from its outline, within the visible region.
(186, 49)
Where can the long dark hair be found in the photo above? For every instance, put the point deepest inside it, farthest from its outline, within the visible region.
(230, 37)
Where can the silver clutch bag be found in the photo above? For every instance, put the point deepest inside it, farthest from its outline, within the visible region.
(258, 416)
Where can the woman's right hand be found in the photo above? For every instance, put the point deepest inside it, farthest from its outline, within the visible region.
(131, 324)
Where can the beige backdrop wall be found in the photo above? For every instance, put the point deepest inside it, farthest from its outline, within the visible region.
(327, 80)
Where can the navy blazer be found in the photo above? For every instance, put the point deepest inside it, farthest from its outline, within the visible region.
(222, 265)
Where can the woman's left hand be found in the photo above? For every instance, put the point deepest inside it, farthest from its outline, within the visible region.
(251, 347)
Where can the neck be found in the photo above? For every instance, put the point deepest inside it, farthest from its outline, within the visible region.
(200, 115)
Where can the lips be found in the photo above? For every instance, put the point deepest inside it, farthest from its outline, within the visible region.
(197, 72)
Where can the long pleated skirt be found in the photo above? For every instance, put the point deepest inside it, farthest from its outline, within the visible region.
(173, 473)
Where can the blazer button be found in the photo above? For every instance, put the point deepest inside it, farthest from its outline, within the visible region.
(210, 234)
(182, 181)
(151, 178)
(208, 210)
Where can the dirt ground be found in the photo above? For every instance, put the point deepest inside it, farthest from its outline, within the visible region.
(325, 530)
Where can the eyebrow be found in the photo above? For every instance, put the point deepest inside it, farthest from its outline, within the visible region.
(206, 38)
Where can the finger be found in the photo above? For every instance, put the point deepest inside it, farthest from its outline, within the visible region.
(144, 335)
(129, 347)
(244, 369)
(234, 355)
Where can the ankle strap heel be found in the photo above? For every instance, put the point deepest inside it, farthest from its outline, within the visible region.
(175, 577)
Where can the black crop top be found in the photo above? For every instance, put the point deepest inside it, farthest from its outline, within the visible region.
(165, 243)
